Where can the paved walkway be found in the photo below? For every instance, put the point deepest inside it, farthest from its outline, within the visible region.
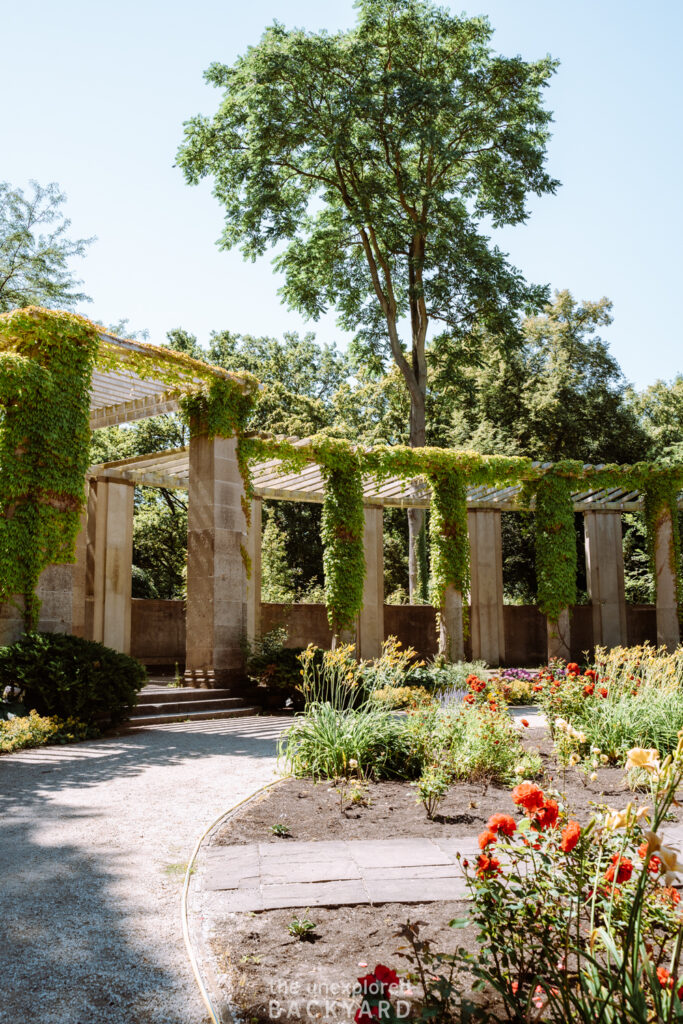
(94, 840)
(267, 876)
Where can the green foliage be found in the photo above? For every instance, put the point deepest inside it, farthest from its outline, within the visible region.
(432, 788)
(281, 830)
(33, 730)
(342, 536)
(277, 579)
(59, 674)
(449, 536)
(271, 664)
(46, 364)
(302, 927)
(35, 250)
(359, 152)
(661, 503)
(556, 559)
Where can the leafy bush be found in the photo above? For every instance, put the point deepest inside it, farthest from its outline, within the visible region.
(63, 675)
(631, 698)
(329, 743)
(474, 742)
(398, 697)
(33, 731)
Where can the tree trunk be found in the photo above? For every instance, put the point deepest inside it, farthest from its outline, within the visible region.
(415, 515)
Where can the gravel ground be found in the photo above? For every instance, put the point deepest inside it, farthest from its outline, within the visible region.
(94, 842)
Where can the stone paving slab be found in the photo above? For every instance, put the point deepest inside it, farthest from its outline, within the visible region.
(265, 876)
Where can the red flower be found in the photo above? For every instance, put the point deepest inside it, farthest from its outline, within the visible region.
(465, 862)
(572, 669)
(486, 838)
(570, 836)
(475, 684)
(370, 985)
(528, 796)
(387, 976)
(589, 690)
(504, 823)
(664, 978)
(620, 869)
(493, 706)
(487, 865)
(525, 723)
(468, 699)
(546, 816)
(670, 894)
(537, 687)
(602, 691)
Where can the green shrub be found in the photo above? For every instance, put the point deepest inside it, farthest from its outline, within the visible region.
(269, 663)
(63, 675)
(33, 731)
(471, 742)
(330, 743)
(432, 788)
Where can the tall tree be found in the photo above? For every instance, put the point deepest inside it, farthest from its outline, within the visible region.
(35, 250)
(374, 155)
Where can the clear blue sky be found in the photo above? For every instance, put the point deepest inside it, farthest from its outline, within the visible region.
(95, 96)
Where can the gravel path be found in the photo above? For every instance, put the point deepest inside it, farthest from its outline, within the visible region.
(94, 841)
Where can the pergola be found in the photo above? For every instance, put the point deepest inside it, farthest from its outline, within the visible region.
(92, 597)
(602, 517)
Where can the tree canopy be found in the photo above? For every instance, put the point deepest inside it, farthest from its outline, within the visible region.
(35, 250)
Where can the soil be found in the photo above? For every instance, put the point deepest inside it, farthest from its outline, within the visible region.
(275, 976)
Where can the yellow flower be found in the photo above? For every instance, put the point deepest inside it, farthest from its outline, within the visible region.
(574, 759)
(641, 757)
(667, 855)
(593, 776)
(622, 819)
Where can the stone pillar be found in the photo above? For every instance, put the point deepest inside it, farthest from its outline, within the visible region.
(109, 561)
(61, 589)
(605, 577)
(216, 575)
(254, 580)
(559, 637)
(451, 634)
(668, 634)
(486, 596)
(371, 618)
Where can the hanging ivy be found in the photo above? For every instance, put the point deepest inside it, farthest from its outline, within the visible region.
(556, 560)
(450, 556)
(46, 364)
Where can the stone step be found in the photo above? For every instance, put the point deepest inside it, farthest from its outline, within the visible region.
(185, 706)
(167, 717)
(180, 695)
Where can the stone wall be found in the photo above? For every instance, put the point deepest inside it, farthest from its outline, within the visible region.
(158, 629)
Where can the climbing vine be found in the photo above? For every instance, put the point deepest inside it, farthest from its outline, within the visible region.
(556, 560)
(46, 364)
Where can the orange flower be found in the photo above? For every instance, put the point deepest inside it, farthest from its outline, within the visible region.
(546, 816)
(487, 865)
(528, 796)
(525, 723)
(620, 869)
(602, 691)
(589, 690)
(504, 823)
(468, 699)
(485, 838)
(572, 669)
(664, 978)
(570, 836)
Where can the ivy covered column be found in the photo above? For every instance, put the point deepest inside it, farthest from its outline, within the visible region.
(216, 572)
(556, 554)
(450, 558)
(342, 531)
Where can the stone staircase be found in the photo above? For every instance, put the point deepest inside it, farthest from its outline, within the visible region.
(160, 703)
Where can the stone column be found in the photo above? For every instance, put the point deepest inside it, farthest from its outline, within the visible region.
(216, 575)
(254, 581)
(559, 637)
(605, 577)
(486, 596)
(371, 618)
(451, 634)
(61, 589)
(109, 561)
(668, 634)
